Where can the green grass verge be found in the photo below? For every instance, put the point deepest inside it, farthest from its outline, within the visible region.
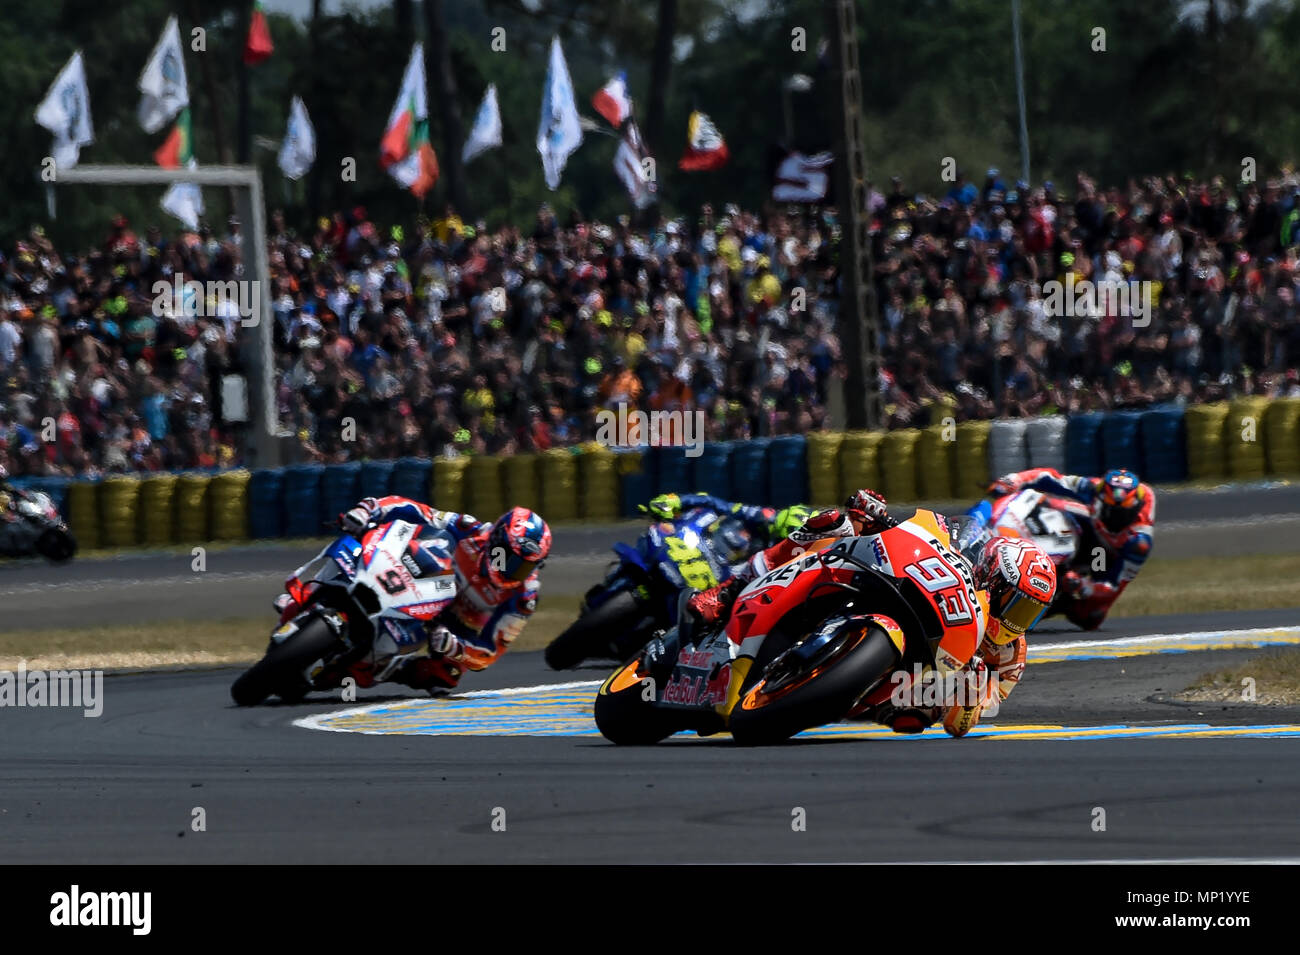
(1272, 678)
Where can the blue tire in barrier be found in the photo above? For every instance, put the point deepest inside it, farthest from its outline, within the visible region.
(1121, 446)
(787, 470)
(377, 479)
(713, 470)
(340, 489)
(672, 470)
(266, 510)
(413, 478)
(1164, 446)
(1083, 443)
(302, 500)
(749, 478)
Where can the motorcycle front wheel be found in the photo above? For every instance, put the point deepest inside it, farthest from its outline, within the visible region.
(613, 630)
(280, 672)
(56, 545)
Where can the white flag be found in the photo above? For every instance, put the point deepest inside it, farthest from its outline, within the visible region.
(631, 169)
(184, 200)
(298, 151)
(166, 91)
(560, 131)
(487, 126)
(801, 178)
(65, 112)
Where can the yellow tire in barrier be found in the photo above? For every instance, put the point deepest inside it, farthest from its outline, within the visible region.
(83, 513)
(1205, 449)
(1282, 436)
(1243, 438)
(485, 491)
(119, 500)
(559, 485)
(228, 503)
(824, 467)
(859, 462)
(597, 483)
(192, 514)
(971, 459)
(937, 462)
(447, 492)
(522, 475)
(158, 510)
(898, 465)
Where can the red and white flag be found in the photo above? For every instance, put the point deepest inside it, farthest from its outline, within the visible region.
(634, 167)
(706, 149)
(405, 151)
(612, 100)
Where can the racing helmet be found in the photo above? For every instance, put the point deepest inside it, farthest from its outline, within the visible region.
(789, 519)
(732, 541)
(517, 546)
(1119, 500)
(1020, 581)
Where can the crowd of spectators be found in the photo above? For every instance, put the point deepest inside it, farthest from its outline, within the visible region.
(449, 338)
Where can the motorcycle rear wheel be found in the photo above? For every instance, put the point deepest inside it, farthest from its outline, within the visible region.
(279, 673)
(610, 631)
(56, 545)
(766, 715)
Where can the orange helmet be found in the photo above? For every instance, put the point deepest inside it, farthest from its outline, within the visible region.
(1020, 581)
(1119, 499)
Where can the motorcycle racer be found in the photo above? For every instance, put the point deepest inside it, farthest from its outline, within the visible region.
(496, 565)
(769, 525)
(1119, 518)
(1015, 583)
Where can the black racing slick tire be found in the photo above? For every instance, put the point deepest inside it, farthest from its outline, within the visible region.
(604, 633)
(623, 714)
(56, 545)
(782, 703)
(280, 672)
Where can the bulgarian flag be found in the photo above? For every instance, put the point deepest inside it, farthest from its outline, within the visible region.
(178, 148)
(405, 151)
(258, 45)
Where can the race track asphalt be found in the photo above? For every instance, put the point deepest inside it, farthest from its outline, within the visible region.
(124, 787)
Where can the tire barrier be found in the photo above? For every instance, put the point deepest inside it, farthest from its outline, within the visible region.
(448, 491)
(1164, 446)
(119, 501)
(1045, 442)
(1120, 447)
(787, 471)
(227, 500)
(522, 476)
(598, 498)
(672, 470)
(559, 494)
(972, 459)
(1083, 443)
(824, 467)
(413, 478)
(1007, 451)
(485, 492)
(937, 463)
(192, 517)
(266, 503)
(859, 463)
(340, 489)
(1282, 436)
(1243, 438)
(712, 470)
(302, 500)
(158, 510)
(898, 465)
(637, 481)
(749, 471)
(1205, 452)
(83, 513)
(376, 478)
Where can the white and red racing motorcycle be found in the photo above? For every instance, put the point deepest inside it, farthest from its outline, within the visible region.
(359, 604)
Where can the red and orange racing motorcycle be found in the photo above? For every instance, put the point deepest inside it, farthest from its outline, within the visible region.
(824, 637)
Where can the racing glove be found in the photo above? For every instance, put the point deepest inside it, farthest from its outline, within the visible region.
(355, 520)
(827, 523)
(444, 643)
(976, 690)
(868, 512)
(1003, 485)
(712, 605)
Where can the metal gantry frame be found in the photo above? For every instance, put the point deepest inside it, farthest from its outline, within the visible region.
(255, 338)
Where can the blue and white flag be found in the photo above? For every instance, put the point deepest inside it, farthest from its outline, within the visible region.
(486, 133)
(298, 151)
(560, 131)
(65, 112)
